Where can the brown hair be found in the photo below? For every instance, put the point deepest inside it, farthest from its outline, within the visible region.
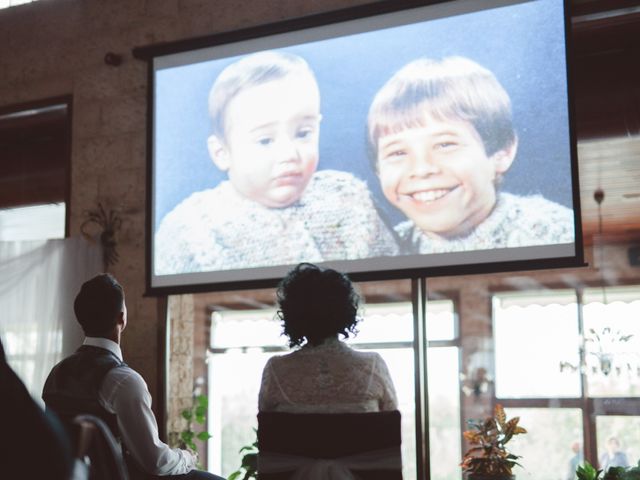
(250, 71)
(452, 88)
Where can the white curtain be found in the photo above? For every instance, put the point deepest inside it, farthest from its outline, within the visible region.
(38, 283)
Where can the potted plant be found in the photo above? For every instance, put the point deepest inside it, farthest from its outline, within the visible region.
(588, 472)
(196, 414)
(249, 467)
(488, 458)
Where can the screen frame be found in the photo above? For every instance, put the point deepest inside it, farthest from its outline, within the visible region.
(361, 12)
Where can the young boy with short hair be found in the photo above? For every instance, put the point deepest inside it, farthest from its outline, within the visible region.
(442, 137)
(275, 208)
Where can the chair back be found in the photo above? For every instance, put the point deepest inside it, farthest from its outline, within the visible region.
(98, 450)
(368, 444)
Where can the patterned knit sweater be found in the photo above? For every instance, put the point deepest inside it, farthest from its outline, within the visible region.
(218, 229)
(514, 222)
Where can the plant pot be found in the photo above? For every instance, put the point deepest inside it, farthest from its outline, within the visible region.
(479, 476)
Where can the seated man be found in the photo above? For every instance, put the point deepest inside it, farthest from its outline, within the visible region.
(95, 380)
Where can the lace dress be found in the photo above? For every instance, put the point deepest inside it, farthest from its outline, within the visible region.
(327, 378)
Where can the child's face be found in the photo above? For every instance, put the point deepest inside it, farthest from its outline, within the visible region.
(271, 146)
(440, 175)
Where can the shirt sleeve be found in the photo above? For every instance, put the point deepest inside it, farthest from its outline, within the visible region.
(388, 400)
(125, 393)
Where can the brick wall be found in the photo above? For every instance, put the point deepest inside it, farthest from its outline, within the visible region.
(57, 47)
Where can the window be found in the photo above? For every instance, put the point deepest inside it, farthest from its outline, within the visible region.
(243, 341)
(13, 3)
(36, 222)
(443, 367)
(567, 363)
(34, 172)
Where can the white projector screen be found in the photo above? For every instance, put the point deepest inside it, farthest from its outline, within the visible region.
(432, 139)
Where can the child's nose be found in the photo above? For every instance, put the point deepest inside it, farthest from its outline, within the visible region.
(424, 165)
(289, 152)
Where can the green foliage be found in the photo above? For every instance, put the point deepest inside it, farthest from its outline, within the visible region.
(488, 454)
(196, 414)
(249, 466)
(588, 472)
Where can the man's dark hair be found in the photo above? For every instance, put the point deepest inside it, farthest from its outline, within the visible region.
(98, 305)
(316, 303)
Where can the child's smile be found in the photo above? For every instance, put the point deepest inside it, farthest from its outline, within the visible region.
(427, 196)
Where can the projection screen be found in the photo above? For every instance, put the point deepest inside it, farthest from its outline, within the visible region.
(426, 139)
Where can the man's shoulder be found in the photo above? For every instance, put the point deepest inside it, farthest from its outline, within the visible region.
(125, 377)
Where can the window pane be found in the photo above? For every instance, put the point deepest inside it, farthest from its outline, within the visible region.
(551, 448)
(234, 383)
(246, 328)
(444, 413)
(536, 345)
(612, 341)
(233, 405)
(441, 320)
(38, 222)
(385, 323)
(400, 363)
(618, 440)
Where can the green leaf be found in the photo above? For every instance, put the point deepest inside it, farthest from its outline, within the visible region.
(187, 414)
(587, 472)
(186, 436)
(203, 436)
(202, 401)
(200, 419)
(201, 410)
(234, 475)
(250, 461)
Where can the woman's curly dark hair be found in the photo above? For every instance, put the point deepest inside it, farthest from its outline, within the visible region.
(316, 303)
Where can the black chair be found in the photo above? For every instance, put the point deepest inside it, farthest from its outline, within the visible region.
(98, 450)
(366, 444)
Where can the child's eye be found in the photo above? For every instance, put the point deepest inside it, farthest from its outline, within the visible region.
(446, 145)
(304, 133)
(264, 141)
(395, 154)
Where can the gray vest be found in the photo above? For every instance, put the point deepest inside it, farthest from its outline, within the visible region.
(73, 385)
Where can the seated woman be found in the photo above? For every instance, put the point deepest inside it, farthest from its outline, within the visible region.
(325, 375)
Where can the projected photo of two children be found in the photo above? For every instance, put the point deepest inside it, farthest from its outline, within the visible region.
(349, 71)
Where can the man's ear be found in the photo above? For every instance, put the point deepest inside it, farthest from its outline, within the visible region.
(122, 321)
(503, 159)
(218, 153)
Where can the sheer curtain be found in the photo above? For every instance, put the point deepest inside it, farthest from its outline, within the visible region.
(38, 283)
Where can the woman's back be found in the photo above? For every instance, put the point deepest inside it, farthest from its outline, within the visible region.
(327, 378)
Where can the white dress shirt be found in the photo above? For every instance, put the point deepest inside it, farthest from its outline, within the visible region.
(125, 394)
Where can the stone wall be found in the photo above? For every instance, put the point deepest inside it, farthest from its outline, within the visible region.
(56, 47)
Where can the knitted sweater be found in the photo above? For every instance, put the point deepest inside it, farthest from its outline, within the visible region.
(514, 222)
(218, 229)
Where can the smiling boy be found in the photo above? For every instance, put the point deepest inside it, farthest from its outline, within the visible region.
(275, 208)
(442, 138)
